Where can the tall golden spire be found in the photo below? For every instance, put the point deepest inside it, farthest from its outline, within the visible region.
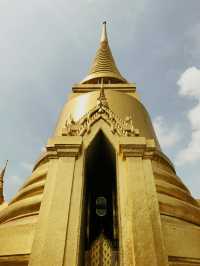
(104, 37)
(2, 173)
(103, 65)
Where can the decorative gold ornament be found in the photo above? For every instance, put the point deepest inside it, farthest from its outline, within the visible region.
(101, 253)
(117, 125)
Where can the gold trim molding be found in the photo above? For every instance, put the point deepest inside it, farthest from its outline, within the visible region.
(137, 147)
(63, 147)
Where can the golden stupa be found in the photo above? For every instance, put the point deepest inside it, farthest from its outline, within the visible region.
(103, 192)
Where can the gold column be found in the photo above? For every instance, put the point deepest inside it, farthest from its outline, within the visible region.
(73, 239)
(49, 243)
(154, 212)
(141, 235)
(126, 244)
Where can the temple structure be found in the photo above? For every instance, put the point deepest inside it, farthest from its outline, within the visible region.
(103, 192)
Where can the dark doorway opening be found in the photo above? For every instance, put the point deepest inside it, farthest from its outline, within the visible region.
(101, 225)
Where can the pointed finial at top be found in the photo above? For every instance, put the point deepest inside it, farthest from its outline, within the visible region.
(104, 37)
(2, 173)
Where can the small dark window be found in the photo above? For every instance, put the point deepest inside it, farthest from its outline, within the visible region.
(101, 206)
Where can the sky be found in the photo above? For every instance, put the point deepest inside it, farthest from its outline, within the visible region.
(47, 46)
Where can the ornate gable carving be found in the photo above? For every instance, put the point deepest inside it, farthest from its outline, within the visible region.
(102, 111)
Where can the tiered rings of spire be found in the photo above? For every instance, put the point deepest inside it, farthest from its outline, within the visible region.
(103, 64)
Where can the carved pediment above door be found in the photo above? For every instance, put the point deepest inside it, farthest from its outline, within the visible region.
(102, 111)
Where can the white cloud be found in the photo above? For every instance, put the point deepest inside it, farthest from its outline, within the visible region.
(189, 85)
(168, 136)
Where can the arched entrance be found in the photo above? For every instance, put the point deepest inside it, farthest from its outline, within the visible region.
(100, 210)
